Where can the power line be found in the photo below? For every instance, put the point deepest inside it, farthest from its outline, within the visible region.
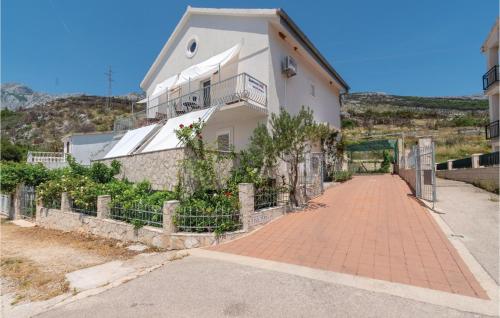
(109, 75)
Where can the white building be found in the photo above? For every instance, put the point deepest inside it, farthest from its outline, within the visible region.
(490, 84)
(87, 147)
(83, 147)
(232, 68)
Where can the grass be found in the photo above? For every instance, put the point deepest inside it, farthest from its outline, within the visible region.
(488, 185)
(31, 281)
(34, 260)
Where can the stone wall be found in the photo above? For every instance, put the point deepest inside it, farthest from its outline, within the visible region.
(78, 222)
(409, 176)
(471, 175)
(166, 237)
(160, 168)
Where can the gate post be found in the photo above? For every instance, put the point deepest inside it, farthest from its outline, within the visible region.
(65, 205)
(17, 201)
(246, 198)
(103, 206)
(168, 213)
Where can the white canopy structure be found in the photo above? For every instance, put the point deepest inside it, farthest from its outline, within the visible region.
(166, 137)
(130, 141)
(196, 71)
(209, 66)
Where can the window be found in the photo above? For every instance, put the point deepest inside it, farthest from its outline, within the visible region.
(224, 140)
(192, 47)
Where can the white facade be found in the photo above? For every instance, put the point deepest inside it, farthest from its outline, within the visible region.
(265, 38)
(86, 147)
(491, 83)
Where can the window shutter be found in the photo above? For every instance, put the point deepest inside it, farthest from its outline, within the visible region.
(223, 142)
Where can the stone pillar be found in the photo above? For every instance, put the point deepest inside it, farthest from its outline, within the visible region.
(246, 198)
(103, 206)
(475, 160)
(450, 164)
(16, 198)
(65, 206)
(168, 213)
(38, 209)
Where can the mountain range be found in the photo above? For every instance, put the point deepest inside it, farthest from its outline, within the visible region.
(19, 96)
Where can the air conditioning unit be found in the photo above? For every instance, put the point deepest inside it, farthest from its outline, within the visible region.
(289, 66)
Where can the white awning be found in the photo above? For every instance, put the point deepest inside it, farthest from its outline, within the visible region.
(166, 137)
(209, 66)
(130, 141)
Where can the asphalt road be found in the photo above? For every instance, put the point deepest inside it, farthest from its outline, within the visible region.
(202, 287)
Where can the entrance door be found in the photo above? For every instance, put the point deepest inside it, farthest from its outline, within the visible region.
(206, 93)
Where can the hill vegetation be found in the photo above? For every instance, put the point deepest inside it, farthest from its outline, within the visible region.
(42, 127)
(455, 123)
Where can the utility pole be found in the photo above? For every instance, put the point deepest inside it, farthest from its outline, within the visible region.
(109, 75)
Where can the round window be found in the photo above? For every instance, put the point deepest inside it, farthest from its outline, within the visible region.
(192, 47)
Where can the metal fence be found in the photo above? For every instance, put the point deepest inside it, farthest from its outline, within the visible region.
(194, 219)
(462, 163)
(442, 166)
(28, 204)
(183, 99)
(138, 214)
(489, 159)
(84, 208)
(270, 197)
(491, 130)
(425, 181)
(310, 175)
(53, 203)
(491, 77)
(5, 204)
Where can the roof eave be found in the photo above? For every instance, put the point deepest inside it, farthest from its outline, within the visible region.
(311, 48)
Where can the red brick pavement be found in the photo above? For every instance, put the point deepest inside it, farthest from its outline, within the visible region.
(370, 226)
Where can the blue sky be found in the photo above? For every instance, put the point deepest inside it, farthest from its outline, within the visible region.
(423, 48)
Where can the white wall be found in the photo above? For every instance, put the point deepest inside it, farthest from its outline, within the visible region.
(85, 148)
(241, 122)
(296, 91)
(216, 34)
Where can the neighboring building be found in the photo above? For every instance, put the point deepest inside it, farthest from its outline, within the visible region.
(232, 68)
(84, 147)
(490, 84)
(87, 147)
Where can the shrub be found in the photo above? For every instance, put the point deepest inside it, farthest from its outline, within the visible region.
(349, 124)
(14, 173)
(341, 176)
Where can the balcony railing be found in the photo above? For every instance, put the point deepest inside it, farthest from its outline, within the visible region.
(241, 87)
(48, 159)
(491, 130)
(490, 77)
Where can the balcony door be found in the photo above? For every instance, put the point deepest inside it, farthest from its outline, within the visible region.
(206, 93)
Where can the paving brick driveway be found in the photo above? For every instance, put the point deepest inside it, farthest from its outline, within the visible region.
(369, 226)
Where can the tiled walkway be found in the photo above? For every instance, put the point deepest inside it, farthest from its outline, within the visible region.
(369, 226)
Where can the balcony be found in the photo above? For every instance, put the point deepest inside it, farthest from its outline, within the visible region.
(491, 130)
(490, 77)
(182, 100)
(51, 160)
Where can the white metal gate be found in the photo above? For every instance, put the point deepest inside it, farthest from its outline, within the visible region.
(425, 171)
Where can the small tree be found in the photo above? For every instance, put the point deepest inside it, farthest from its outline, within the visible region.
(291, 138)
